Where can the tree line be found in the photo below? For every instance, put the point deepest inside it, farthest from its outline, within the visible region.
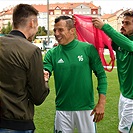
(41, 30)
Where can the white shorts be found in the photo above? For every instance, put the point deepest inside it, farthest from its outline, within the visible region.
(67, 121)
(125, 114)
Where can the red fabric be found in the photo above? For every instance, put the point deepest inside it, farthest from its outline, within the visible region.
(86, 32)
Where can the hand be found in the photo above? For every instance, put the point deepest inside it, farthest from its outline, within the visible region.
(46, 75)
(98, 112)
(97, 22)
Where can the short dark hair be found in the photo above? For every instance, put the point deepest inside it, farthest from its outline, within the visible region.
(21, 12)
(69, 21)
(129, 13)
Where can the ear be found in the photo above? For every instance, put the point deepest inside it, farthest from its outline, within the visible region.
(31, 23)
(72, 30)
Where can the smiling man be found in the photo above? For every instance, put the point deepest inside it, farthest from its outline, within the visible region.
(72, 62)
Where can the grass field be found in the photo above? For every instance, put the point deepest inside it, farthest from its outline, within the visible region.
(44, 114)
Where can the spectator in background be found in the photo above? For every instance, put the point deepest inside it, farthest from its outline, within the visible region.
(44, 43)
(123, 45)
(72, 62)
(22, 83)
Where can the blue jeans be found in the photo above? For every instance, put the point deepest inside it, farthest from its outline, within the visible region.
(14, 131)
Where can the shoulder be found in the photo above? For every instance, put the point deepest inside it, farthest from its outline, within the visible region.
(85, 44)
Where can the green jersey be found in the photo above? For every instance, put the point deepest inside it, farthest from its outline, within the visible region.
(124, 56)
(72, 67)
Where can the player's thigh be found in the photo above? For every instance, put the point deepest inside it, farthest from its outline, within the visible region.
(64, 122)
(126, 120)
(84, 122)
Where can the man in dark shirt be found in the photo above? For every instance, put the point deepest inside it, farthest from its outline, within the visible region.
(22, 83)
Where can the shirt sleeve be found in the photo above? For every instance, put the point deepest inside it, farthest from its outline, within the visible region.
(47, 62)
(118, 38)
(97, 67)
(38, 88)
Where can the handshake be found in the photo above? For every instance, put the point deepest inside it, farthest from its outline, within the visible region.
(46, 76)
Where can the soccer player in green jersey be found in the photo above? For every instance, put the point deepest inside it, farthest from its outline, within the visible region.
(72, 63)
(123, 45)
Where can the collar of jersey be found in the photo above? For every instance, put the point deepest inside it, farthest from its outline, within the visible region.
(70, 45)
